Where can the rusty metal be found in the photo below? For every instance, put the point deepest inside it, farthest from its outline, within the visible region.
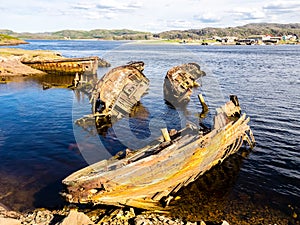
(68, 66)
(118, 91)
(148, 178)
(179, 81)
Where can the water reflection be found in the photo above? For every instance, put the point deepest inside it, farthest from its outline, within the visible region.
(211, 192)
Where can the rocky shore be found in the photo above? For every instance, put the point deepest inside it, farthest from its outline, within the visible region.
(73, 216)
(11, 61)
(6, 40)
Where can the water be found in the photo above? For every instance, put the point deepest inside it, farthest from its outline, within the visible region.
(39, 144)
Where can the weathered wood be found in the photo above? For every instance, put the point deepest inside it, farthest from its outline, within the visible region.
(165, 134)
(179, 81)
(67, 66)
(154, 173)
(119, 90)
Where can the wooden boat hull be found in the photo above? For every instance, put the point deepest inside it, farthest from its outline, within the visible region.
(179, 82)
(68, 66)
(150, 176)
(119, 90)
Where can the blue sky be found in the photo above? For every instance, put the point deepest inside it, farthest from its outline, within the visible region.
(143, 15)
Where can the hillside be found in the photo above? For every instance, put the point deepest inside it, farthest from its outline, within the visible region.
(123, 34)
(9, 40)
(240, 31)
(273, 29)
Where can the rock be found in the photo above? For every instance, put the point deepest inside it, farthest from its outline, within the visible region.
(9, 221)
(37, 217)
(76, 218)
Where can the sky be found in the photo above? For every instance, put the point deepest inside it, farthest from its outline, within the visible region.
(142, 15)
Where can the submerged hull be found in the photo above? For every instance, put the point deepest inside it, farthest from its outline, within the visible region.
(68, 66)
(149, 177)
(179, 81)
(119, 91)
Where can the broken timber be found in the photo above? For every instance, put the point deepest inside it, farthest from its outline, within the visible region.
(118, 91)
(179, 81)
(68, 66)
(148, 178)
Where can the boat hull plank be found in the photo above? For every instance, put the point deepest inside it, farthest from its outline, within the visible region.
(156, 172)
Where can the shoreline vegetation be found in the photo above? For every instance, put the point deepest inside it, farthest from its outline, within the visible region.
(254, 33)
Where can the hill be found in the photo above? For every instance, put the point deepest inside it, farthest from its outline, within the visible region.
(104, 34)
(9, 40)
(273, 29)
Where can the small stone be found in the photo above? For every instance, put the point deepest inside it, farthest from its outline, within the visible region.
(177, 198)
(295, 215)
(75, 218)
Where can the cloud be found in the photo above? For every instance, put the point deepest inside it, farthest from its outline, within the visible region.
(248, 13)
(178, 24)
(282, 7)
(107, 9)
(208, 18)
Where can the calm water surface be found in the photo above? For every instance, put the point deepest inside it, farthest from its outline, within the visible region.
(39, 144)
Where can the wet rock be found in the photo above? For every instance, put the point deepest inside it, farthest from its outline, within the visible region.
(38, 217)
(76, 218)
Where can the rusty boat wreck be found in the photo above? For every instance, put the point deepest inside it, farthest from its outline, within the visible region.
(118, 91)
(148, 178)
(67, 66)
(179, 82)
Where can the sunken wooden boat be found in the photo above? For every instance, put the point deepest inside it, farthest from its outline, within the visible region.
(149, 177)
(179, 82)
(118, 91)
(67, 66)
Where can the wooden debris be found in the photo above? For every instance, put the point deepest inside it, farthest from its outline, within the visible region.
(66, 66)
(179, 81)
(118, 91)
(149, 177)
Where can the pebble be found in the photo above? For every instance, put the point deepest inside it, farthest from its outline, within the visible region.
(73, 217)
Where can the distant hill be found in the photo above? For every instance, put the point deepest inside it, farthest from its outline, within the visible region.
(122, 34)
(273, 29)
(9, 40)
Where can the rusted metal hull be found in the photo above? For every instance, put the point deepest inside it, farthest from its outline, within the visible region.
(118, 91)
(149, 177)
(179, 81)
(67, 66)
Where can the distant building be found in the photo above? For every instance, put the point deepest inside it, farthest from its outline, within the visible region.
(289, 37)
(257, 37)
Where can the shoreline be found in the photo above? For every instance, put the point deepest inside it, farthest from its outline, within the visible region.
(74, 216)
(41, 213)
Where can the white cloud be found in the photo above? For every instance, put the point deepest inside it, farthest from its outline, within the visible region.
(280, 7)
(104, 9)
(248, 13)
(208, 17)
(154, 15)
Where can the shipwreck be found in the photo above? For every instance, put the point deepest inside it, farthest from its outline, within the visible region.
(117, 92)
(179, 82)
(67, 66)
(148, 178)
